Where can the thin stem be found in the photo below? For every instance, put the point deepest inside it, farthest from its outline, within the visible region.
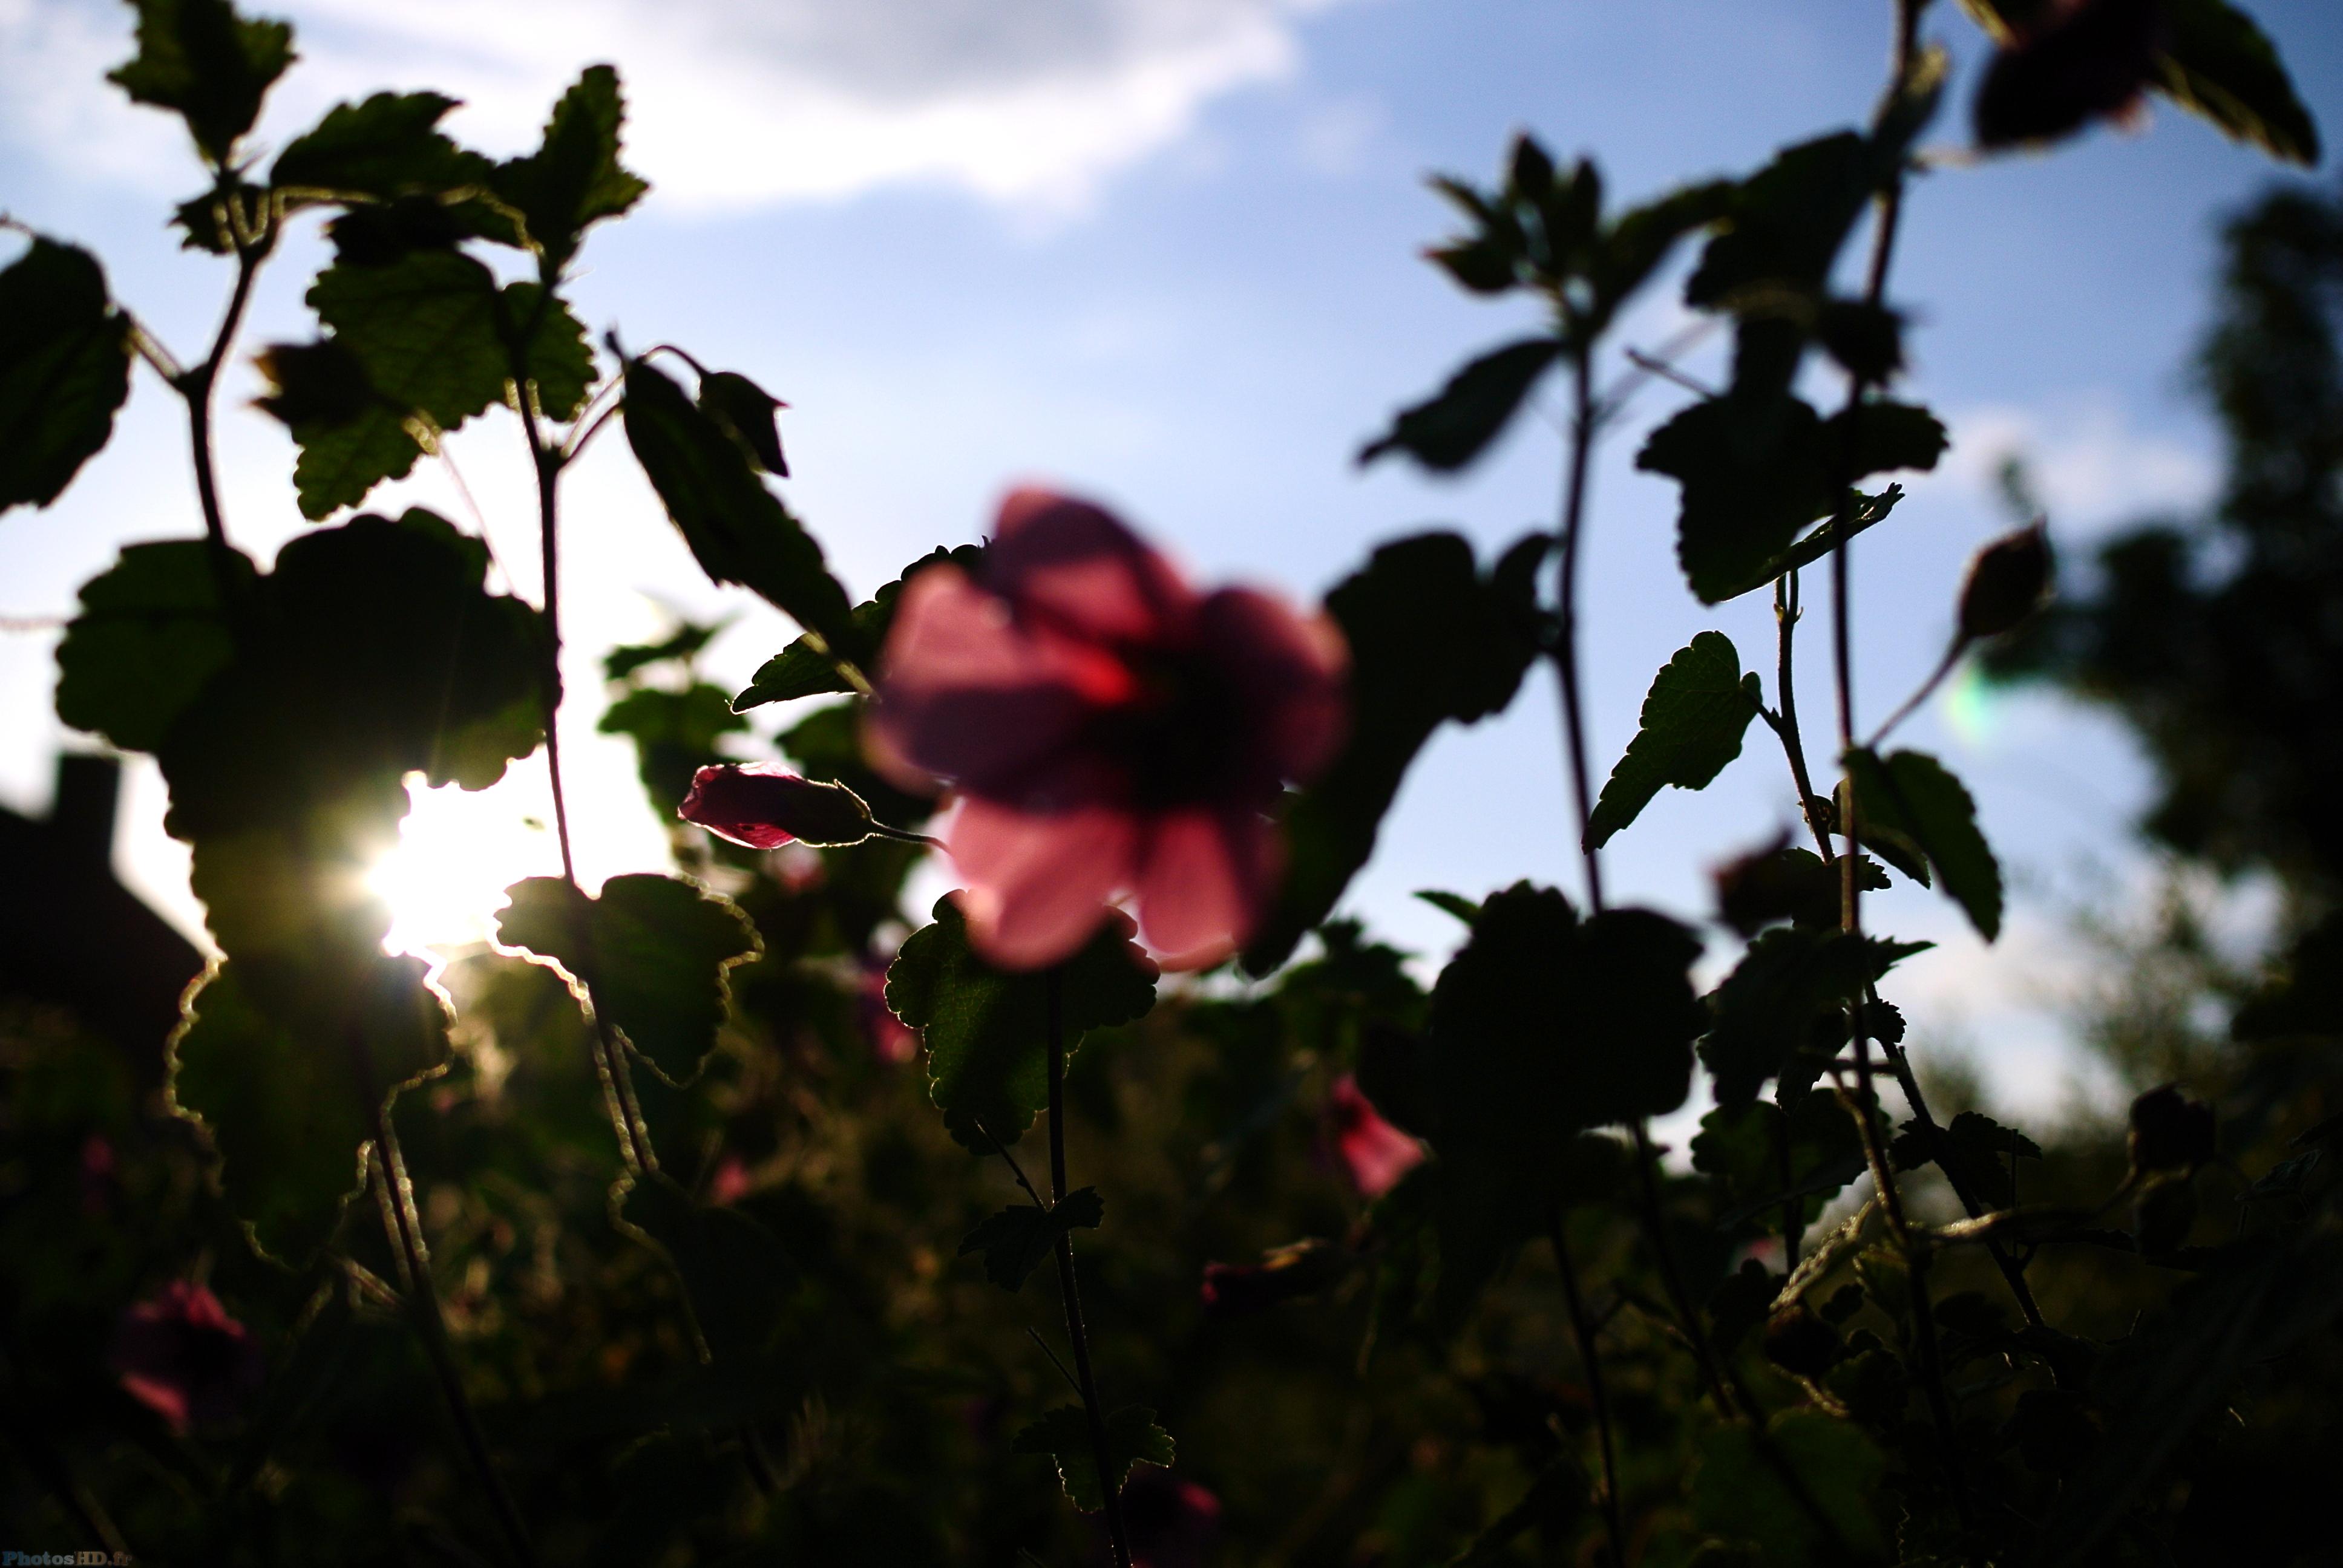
(1582, 1329)
(195, 386)
(1076, 1335)
(1787, 611)
(404, 1227)
(1671, 1278)
(1935, 678)
(905, 835)
(1573, 518)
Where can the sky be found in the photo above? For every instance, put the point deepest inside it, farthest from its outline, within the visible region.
(1166, 253)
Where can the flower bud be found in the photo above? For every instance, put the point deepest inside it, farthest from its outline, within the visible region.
(760, 805)
(2169, 1131)
(2006, 583)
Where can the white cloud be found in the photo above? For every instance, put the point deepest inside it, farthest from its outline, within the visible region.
(733, 104)
(2091, 466)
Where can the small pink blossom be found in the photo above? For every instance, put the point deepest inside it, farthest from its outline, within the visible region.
(1111, 732)
(183, 1357)
(891, 1040)
(730, 1181)
(1375, 1153)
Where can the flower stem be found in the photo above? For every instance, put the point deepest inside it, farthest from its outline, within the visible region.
(1582, 1329)
(1566, 656)
(1076, 1335)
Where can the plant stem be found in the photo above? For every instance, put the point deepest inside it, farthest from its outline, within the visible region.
(1566, 656)
(1076, 1335)
(1582, 1329)
(195, 386)
(403, 1225)
(1785, 694)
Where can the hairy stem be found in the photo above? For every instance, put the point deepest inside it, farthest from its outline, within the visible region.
(1076, 1335)
(1582, 1329)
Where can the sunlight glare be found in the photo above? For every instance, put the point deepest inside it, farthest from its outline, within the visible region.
(457, 853)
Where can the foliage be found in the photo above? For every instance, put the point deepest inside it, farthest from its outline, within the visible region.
(687, 1222)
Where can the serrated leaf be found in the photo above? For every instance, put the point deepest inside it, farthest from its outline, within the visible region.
(1018, 1239)
(1455, 425)
(1432, 640)
(1761, 1157)
(1752, 473)
(1738, 1492)
(985, 1028)
(2219, 65)
(1878, 437)
(1692, 721)
(339, 464)
(149, 637)
(1765, 1011)
(1640, 238)
(287, 1108)
(1132, 1438)
(735, 1273)
(1785, 224)
(573, 179)
(802, 670)
(738, 530)
(387, 147)
(1912, 793)
(206, 63)
(1861, 512)
(1974, 1148)
(655, 954)
(65, 368)
(561, 362)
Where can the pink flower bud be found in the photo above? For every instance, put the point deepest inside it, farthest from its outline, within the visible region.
(763, 806)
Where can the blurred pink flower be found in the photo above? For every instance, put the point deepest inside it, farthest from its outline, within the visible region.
(891, 1040)
(183, 1357)
(1375, 1152)
(728, 1183)
(1110, 733)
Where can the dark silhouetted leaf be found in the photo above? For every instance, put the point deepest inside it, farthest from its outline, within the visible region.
(1867, 339)
(1741, 1147)
(1463, 908)
(1910, 792)
(150, 636)
(1738, 1492)
(288, 1106)
(1019, 1240)
(1451, 429)
(1785, 224)
(738, 530)
(1132, 1438)
(208, 64)
(574, 178)
(801, 669)
(1635, 243)
(656, 952)
(1693, 716)
(733, 1270)
(675, 735)
(2218, 64)
(1754, 473)
(390, 145)
(1766, 1010)
(1863, 513)
(828, 744)
(65, 368)
(986, 1029)
(746, 411)
(1879, 436)
(1975, 1150)
(1430, 641)
(2071, 65)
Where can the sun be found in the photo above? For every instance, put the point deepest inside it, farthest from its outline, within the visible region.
(457, 853)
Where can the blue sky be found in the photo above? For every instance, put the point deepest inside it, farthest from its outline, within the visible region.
(1165, 252)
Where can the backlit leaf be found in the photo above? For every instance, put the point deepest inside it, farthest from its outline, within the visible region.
(1913, 794)
(986, 1029)
(654, 951)
(1132, 1438)
(1692, 721)
(801, 669)
(574, 178)
(389, 146)
(149, 637)
(1020, 1238)
(65, 368)
(2219, 64)
(213, 66)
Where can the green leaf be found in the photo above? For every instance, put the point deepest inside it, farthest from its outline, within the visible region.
(390, 145)
(560, 363)
(1974, 1148)
(149, 638)
(212, 67)
(803, 670)
(1742, 1148)
(1863, 513)
(675, 735)
(1878, 437)
(1738, 1492)
(65, 368)
(745, 411)
(986, 1029)
(2218, 64)
(1462, 908)
(1785, 224)
(1912, 793)
(735, 1273)
(738, 530)
(340, 464)
(1692, 721)
(287, 1107)
(652, 954)
(1635, 243)
(1019, 1240)
(1752, 474)
(1453, 427)
(1132, 1438)
(574, 178)
(1768, 1010)
(1430, 641)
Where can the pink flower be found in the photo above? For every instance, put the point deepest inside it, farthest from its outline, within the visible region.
(1110, 733)
(765, 806)
(1173, 1522)
(1375, 1152)
(183, 1357)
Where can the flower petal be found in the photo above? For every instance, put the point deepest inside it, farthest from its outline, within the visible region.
(1071, 565)
(1287, 669)
(1037, 884)
(1204, 877)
